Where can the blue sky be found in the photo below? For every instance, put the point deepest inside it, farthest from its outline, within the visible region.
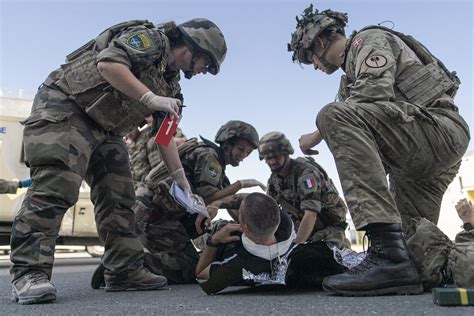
(258, 82)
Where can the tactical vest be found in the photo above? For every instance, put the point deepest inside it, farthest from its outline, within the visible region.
(429, 82)
(109, 108)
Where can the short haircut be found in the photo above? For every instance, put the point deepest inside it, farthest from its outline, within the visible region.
(260, 213)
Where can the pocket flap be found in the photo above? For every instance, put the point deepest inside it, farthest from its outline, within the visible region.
(48, 115)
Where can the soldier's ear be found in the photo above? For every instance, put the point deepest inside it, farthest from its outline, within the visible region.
(318, 44)
(245, 228)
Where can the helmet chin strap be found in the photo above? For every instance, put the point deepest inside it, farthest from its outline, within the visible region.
(228, 154)
(330, 67)
(188, 74)
(282, 166)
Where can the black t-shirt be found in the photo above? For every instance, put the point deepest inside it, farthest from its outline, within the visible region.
(232, 258)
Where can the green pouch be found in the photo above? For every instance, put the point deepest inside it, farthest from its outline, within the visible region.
(453, 296)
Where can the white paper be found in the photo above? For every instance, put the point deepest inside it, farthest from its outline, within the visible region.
(193, 203)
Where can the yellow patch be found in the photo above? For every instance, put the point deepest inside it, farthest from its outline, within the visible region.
(214, 170)
(139, 41)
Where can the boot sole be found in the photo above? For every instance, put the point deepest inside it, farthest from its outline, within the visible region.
(35, 300)
(415, 289)
(97, 280)
(134, 287)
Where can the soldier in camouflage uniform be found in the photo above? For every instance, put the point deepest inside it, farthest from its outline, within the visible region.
(395, 116)
(166, 227)
(144, 152)
(12, 186)
(304, 190)
(75, 131)
(441, 262)
(137, 146)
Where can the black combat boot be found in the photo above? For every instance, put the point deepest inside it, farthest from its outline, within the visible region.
(387, 269)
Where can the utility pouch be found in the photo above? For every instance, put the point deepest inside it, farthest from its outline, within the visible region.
(426, 85)
(81, 74)
(103, 111)
(115, 114)
(87, 46)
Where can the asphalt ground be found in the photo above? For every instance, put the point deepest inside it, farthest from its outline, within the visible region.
(71, 277)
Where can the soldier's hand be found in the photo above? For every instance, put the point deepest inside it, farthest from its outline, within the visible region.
(205, 222)
(249, 183)
(465, 211)
(225, 235)
(308, 141)
(162, 104)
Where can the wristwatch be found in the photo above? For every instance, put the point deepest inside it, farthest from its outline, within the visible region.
(209, 242)
(468, 226)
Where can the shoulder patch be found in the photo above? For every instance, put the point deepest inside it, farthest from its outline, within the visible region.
(357, 42)
(140, 41)
(376, 61)
(214, 170)
(309, 182)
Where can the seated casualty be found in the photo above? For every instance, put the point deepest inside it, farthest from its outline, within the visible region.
(441, 262)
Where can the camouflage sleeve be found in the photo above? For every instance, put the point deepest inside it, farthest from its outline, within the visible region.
(465, 236)
(8, 186)
(460, 260)
(372, 58)
(136, 47)
(271, 188)
(153, 153)
(207, 174)
(232, 201)
(139, 158)
(309, 190)
(179, 133)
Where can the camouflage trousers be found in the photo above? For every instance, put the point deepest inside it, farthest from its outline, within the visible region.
(63, 147)
(440, 261)
(419, 150)
(167, 241)
(333, 235)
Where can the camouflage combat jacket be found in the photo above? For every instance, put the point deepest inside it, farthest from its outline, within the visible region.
(8, 186)
(308, 187)
(205, 172)
(138, 151)
(136, 44)
(153, 154)
(380, 68)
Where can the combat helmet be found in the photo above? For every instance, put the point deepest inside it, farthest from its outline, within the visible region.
(237, 129)
(203, 36)
(309, 26)
(273, 144)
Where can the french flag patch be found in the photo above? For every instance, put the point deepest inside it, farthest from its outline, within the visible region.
(309, 183)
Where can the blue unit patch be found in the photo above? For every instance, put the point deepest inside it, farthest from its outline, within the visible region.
(139, 41)
(3, 130)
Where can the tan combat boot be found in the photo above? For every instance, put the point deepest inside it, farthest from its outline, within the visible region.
(138, 280)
